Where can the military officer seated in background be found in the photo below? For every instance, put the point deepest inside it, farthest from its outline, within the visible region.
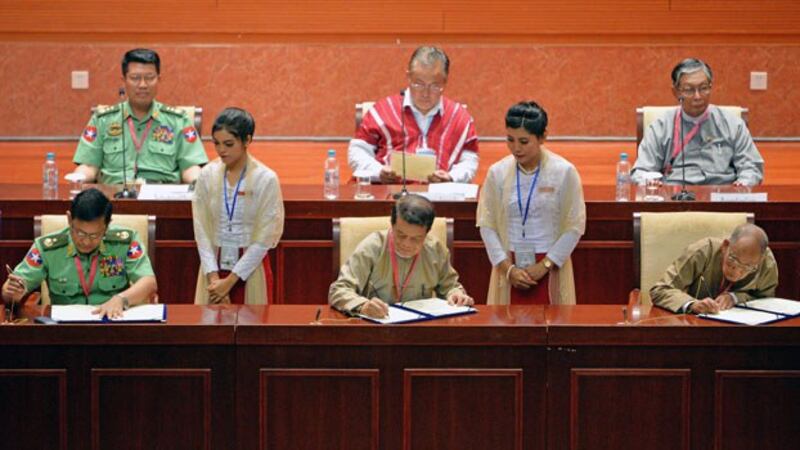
(718, 145)
(160, 143)
(715, 274)
(402, 263)
(87, 262)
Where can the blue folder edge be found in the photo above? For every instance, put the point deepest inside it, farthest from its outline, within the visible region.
(423, 317)
(779, 316)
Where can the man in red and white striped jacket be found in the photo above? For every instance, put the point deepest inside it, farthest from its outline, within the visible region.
(418, 120)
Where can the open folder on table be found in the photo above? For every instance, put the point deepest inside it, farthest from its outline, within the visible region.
(758, 312)
(420, 310)
(418, 167)
(83, 314)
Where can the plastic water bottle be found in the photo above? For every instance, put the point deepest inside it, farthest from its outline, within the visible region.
(623, 178)
(50, 177)
(331, 176)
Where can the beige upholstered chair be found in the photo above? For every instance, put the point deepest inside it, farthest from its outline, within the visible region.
(195, 114)
(647, 114)
(145, 227)
(660, 238)
(348, 232)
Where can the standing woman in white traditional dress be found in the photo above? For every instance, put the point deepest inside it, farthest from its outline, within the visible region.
(238, 216)
(531, 216)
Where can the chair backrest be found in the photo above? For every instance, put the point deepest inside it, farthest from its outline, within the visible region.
(195, 114)
(144, 225)
(348, 232)
(660, 238)
(645, 115)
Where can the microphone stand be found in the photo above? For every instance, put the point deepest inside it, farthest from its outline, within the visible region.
(403, 192)
(125, 192)
(683, 195)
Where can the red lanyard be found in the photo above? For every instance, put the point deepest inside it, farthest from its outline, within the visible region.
(137, 144)
(87, 287)
(398, 291)
(678, 146)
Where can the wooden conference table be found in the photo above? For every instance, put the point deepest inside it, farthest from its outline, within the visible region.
(520, 377)
(603, 260)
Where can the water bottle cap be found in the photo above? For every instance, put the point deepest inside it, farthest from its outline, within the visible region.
(623, 155)
(51, 155)
(331, 152)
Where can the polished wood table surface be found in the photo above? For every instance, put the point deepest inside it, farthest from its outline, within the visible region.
(512, 377)
(603, 260)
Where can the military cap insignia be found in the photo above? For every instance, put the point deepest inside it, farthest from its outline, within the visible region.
(190, 134)
(89, 134)
(111, 266)
(135, 250)
(115, 129)
(163, 134)
(34, 258)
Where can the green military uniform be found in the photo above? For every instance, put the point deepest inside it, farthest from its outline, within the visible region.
(171, 144)
(121, 260)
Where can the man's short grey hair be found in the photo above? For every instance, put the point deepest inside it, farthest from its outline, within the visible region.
(428, 56)
(754, 231)
(690, 65)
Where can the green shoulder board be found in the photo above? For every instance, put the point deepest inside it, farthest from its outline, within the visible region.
(104, 110)
(173, 110)
(119, 235)
(55, 240)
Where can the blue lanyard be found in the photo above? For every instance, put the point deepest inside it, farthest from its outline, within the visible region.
(230, 209)
(530, 195)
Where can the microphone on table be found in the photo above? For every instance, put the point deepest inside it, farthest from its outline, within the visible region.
(683, 195)
(125, 192)
(403, 191)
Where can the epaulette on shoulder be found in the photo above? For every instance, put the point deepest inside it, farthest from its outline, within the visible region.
(56, 240)
(119, 235)
(173, 110)
(103, 110)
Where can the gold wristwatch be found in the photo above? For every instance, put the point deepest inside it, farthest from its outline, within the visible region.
(547, 264)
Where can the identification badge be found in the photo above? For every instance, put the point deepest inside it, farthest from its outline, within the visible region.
(228, 257)
(524, 258)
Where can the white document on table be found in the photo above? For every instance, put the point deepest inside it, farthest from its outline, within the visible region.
(396, 315)
(775, 305)
(758, 197)
(744, 316)
(165, 192)
(83, 313)
(418, 167)
(436, 307)
(466, 190)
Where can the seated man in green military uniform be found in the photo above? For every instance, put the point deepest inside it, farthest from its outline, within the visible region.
(159, 142)
(87, 262)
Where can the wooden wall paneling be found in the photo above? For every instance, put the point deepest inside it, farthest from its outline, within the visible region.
(748, 402)
(462, 408)
(655, 415)
(602, 271)
(167, 408)
(34, 408)
(473, 267)
(303, 271)
(319, 408)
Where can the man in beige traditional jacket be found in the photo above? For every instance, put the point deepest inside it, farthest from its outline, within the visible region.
(402, 263)
(715, 274)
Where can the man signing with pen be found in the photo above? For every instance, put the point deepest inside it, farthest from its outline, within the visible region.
(400, 264)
